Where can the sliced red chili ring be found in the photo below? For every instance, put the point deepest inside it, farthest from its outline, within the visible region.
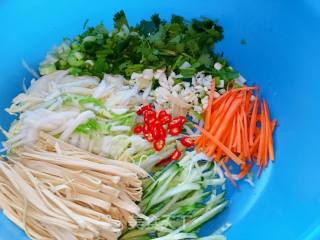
(165, 119)
(179, 121)
(150, 116)
(150, 113)
(157, 123)
(174, 131)
(176, 154)
(162, 113)
(158, 132)
(145, 128)
(149, 120)
(176, 122)
(148, 136)
(162, 132)
(187, 142)
(158, 145)
(137, 129)
(182, 119)
(144, 108)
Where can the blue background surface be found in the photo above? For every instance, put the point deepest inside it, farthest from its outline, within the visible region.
(282, 55)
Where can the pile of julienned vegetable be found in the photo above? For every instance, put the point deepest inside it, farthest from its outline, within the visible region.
(178, 200)
(237, 127)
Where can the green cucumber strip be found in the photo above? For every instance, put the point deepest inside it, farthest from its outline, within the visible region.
(177, 190)
(133, 234)
(194, 224)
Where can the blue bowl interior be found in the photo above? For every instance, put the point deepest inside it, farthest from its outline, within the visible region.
(281, 55)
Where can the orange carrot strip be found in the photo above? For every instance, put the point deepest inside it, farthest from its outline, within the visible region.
(226, 121)
(217, 102)
(233, 130)
(262, 147)
(221, 98)
(218, 116)
(253, 120)
(255, 145)
(244, 171)
(245, 134)
(227, 151)
(266, 130)
(224, 141)
(270, 139)
(228, 174)
(238, 136)
(248, 101)
(231, 111)
(221, 116)
(260, 150)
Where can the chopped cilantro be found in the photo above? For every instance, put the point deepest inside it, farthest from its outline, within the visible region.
(152, 43)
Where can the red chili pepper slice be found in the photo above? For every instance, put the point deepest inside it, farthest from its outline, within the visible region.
(148, 136)
(165, 162)
(158, 132)
(157, 123)
(149, 120)
(145, 128)
(137, 129)
(174, 131)
(159, 144)
(176, 154)
(187, 142)
(162, 132)
(162, 113)
(182, 119)
(150, 116)
(150, 113)
(144, 108)
(165, 119)
(176, 122)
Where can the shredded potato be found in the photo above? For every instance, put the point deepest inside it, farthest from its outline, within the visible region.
(55, 190)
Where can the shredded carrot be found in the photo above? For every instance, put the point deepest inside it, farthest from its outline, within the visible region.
(228, 174)
(255, 145)
(245, 170)
(238, 136)
(270, 129)
(245, 135)
(262, 136)
(253, 120)
(228, 117)
(233, 134)
(237, 129)
(223, 147)
(266, 130)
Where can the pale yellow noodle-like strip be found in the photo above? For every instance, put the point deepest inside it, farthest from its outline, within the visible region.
(53, 190)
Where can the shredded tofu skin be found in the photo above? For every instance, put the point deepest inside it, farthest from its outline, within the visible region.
(55, 190)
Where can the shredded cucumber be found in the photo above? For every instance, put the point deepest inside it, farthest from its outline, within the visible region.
(177, 200)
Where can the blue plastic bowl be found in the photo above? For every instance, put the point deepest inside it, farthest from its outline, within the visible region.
(282, 55)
